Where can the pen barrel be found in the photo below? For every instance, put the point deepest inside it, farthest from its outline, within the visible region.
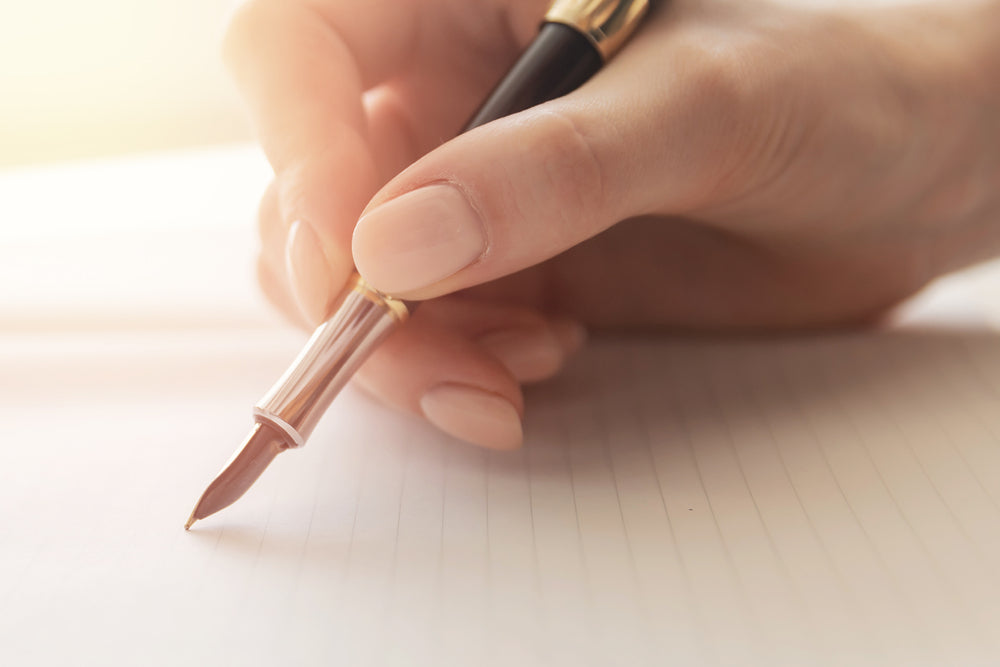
(362, 320)
(559, 60)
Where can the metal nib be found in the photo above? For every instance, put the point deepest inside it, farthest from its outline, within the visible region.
(258, 450)
(362, 318)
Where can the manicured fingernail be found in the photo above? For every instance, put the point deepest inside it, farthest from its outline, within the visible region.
(530, 355)
(418, 239)
(473, 415)
(309, 273)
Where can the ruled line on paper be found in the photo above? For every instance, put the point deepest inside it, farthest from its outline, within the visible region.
(797, 527)
(721, 501)
(883, 596)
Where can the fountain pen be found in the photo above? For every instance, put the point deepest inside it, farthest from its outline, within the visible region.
(575, 39)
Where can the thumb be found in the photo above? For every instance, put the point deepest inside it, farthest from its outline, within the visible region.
(517, 191)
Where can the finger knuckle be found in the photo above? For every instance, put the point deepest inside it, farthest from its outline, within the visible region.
(721, 84)
(571, 163)
(742, 113)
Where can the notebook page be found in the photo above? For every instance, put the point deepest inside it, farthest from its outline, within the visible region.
(828, 500)
(825, 500)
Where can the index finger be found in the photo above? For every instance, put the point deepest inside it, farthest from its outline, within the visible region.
(302, 67)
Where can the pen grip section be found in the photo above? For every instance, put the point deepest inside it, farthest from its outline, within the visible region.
(362, 320)
(559, 60)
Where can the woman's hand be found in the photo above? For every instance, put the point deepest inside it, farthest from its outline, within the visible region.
(739, 165)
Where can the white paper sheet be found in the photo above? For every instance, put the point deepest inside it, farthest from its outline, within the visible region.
(823, 500)
(803, 501)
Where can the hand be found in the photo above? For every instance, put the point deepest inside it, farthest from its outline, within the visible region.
(739, 165)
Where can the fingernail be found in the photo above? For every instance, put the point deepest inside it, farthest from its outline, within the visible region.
(473, 415)
(309, 273)
(530, 355)
(418, 239)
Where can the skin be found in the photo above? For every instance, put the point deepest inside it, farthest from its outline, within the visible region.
(741, 165)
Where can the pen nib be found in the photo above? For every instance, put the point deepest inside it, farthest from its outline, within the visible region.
(258, 450)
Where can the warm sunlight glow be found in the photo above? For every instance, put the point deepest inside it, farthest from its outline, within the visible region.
(108, 76)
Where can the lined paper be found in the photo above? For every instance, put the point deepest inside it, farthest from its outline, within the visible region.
(826, 500)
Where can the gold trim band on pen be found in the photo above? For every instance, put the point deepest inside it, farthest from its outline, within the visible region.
(606, 23)
(395, 307)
